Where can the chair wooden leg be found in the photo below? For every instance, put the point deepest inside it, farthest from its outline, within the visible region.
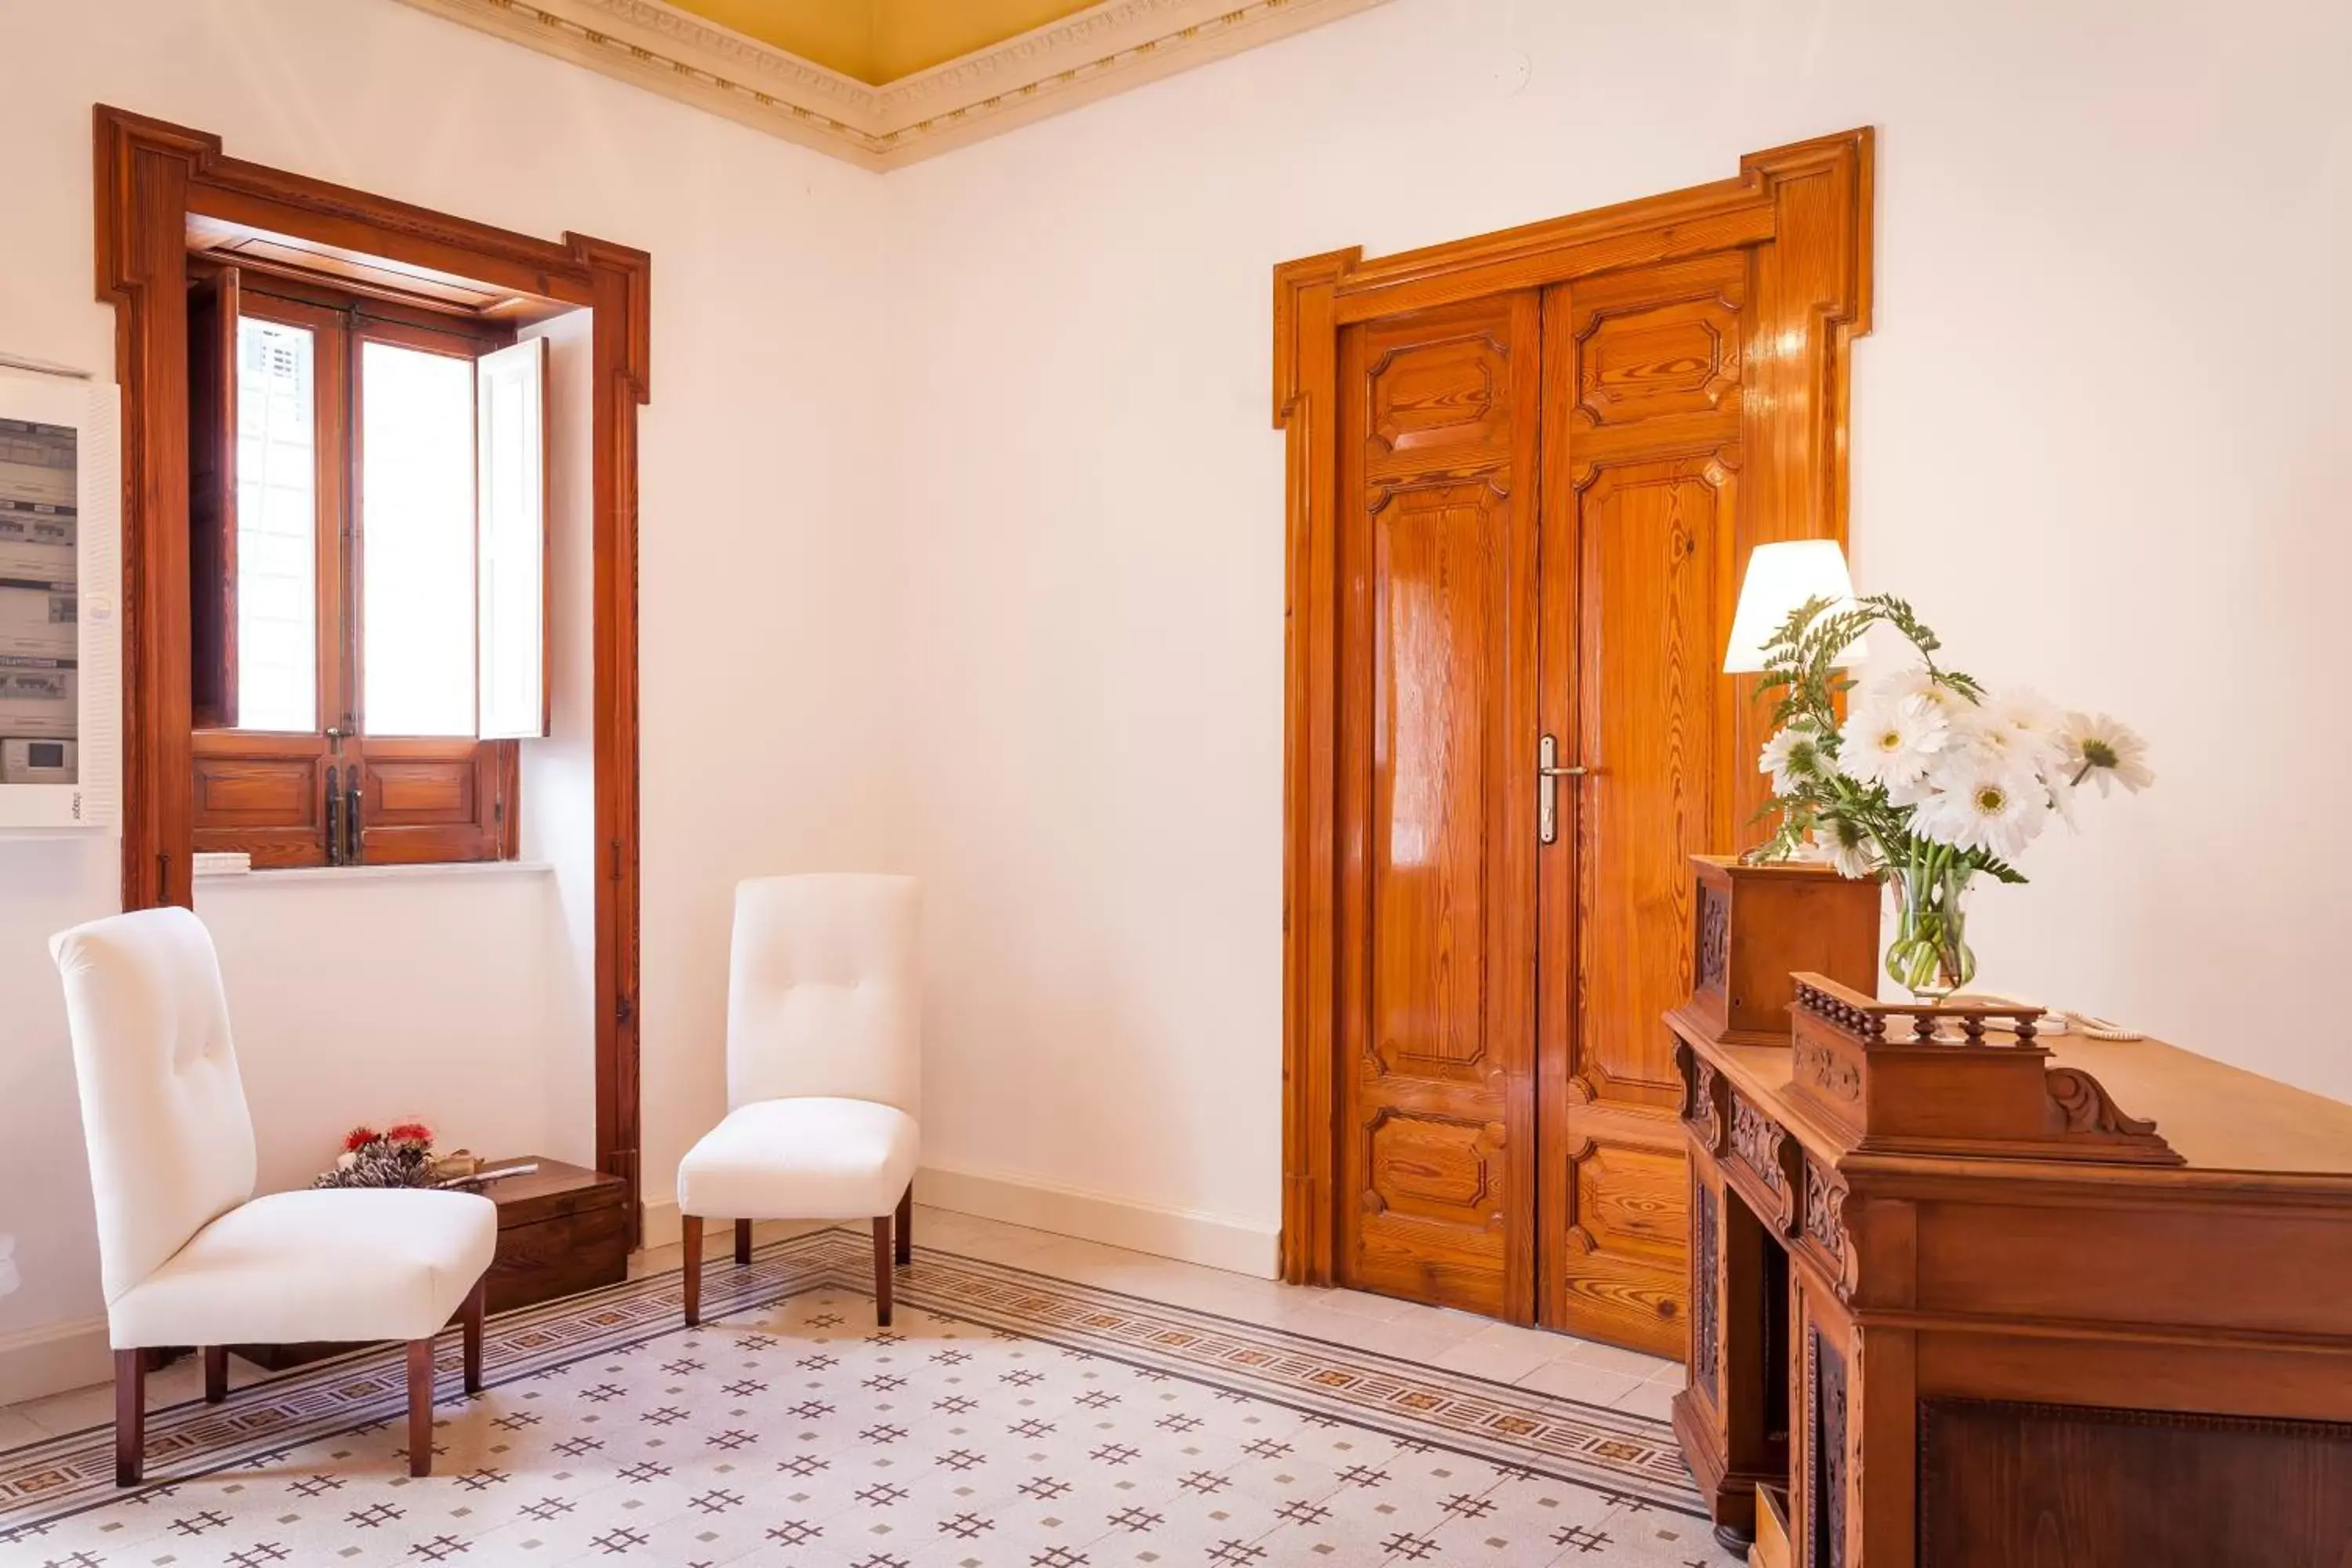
(420, 1407)
(691, 1225)
(742, 1241)
(882, 1271)
(470, 1331)
(215, 1373)
(905, 1232)
(130, 1416)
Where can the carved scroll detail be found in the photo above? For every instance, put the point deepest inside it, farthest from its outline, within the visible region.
(1757, 1138)
(1699, 1112)
(1825, 1198)
(1709, 1113)
(1819, 1068)
(1705, 1277)
(1713, 959)
(2089, 1108)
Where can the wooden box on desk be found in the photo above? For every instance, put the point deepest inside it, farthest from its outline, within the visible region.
(561, 1229)
(1755, 925)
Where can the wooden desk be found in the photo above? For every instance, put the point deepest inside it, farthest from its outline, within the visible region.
(1972, 1310)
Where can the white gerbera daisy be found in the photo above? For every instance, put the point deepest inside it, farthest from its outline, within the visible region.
(1984, 803)
(2023, 727)
(1892, 744)
(1909, 683)
(2100, 749)
(1842, 843)
(1795, 759)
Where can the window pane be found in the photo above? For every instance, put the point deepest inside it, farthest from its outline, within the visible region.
(276, 529)
(416, 533)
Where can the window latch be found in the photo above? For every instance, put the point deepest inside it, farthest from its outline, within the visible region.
(334, 817)
(352, 824)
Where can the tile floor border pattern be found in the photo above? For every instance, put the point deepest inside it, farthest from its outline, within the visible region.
(1604, 1450)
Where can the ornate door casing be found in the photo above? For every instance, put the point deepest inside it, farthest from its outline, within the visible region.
(1693, 403)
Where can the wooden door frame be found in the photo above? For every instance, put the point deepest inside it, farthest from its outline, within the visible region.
(1810, 203)
(151, 178)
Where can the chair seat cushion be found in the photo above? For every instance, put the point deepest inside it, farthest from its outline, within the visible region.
(800, 1159)
(330, 1264)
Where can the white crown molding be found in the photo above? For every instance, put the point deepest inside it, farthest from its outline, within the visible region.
(1103, 49)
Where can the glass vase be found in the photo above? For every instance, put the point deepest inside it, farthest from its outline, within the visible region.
(1930, 956)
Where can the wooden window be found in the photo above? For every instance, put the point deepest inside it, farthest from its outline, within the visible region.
(367, 558)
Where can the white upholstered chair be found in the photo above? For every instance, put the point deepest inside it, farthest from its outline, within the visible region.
(824, 1043)
(187, 1255)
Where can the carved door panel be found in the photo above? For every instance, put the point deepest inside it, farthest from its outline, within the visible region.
(1436, 732)
(1642, 458)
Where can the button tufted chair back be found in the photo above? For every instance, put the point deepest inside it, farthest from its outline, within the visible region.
(162, 1108)
(824, 994)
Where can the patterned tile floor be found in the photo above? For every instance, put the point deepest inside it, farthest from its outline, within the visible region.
(1040, 1402)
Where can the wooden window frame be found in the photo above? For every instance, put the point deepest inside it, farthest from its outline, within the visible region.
(151, 178)
(1811, 202)
(246, 766)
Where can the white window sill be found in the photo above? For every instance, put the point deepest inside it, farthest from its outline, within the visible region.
(305, 875)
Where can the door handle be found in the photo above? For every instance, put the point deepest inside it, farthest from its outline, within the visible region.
(1549, 772)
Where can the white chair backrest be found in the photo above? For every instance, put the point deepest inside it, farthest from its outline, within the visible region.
(825, 990)
(162, 1108)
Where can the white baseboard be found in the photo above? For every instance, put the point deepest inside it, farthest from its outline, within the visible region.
(1217, 1241)
(1190, 1236)
(53, 1358)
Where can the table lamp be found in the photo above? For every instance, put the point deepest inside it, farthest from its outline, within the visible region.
(1781, 578)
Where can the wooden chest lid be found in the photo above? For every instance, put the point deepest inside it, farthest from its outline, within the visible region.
(554, 1191)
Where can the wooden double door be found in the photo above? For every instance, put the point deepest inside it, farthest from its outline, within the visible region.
(1537, 499)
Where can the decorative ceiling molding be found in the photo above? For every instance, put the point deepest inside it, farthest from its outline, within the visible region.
(1103, 49)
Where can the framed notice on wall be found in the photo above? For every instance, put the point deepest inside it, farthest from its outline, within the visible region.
(61, 596)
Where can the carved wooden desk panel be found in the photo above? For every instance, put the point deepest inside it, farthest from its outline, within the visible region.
(2134, 1348)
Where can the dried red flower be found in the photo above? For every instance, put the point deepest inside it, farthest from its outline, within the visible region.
(359, 1138)
(409, 1132)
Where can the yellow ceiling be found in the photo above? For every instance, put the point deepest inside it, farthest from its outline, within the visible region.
(878, 41)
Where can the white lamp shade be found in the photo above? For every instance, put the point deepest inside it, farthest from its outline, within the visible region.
(1781, 579)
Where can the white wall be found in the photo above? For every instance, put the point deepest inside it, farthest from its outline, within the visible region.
(324, 1045)
(764, 610)
(2097, 436)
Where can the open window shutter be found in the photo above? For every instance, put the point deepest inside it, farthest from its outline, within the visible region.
(511, 539)
(212, 498)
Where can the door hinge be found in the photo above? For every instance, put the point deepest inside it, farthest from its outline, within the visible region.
(624, 1009)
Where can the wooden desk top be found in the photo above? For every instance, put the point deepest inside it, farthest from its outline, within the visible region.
(2222, 1119)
